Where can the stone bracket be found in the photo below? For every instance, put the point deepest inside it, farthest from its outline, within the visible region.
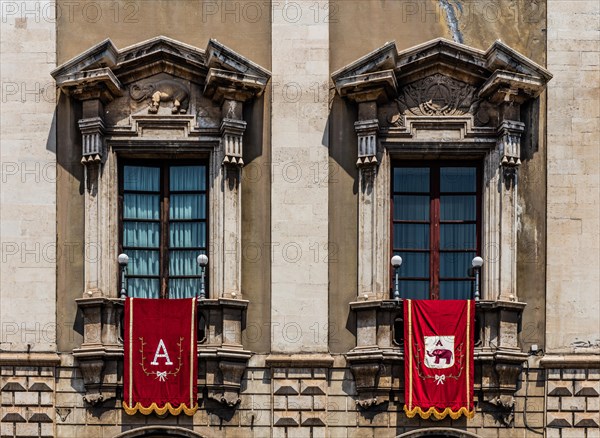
(101, 350)
(223, 353)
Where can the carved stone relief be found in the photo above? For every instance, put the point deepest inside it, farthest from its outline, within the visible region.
(162, 91)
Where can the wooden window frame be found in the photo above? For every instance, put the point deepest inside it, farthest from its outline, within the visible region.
(434, 216)
(164, 220)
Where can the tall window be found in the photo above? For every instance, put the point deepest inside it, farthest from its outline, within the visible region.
(436, 223)
(163, 227)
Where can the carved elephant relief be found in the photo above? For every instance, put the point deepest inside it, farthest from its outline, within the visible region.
(163, 91)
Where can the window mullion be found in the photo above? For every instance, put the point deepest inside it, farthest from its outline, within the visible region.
(434, 292)
(164, 227)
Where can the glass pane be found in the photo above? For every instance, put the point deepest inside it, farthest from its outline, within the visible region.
(458, 208)
(456, 264)
(140, 178)
(414, 264)
(143, 287)
(458, 236)
(416, 290)
(185, 178)
(458, 179)
(187, 235)
(184, 287)
(183, 263)
(141, 234)
(188, 206)
(141, 206)
(411, 179)
(415, 208)
(456, 290)
(143, 262)
(411, 236)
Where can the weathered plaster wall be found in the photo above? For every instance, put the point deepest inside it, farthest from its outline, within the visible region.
(28, 179)
(573, 266)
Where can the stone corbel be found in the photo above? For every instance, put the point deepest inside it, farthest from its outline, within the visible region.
(499, 355)
(375, 355)
(223, 353)
(92, 141)
(101, 350)
(509, 148)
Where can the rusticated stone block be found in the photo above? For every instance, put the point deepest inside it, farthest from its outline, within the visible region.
(41, 386)
(553, 374)
(313, 387)
(286, 387)
(13, 386)
(587, 419)
(588, 389)
(593, 404)
(572, 403)
(312, 419)
(560, 419)
(573, 374)
(286, 419)
(300, 402)
(26, 398)
(13, 417)
(560, 388)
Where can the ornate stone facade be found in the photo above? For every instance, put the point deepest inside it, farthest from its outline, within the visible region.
(299, 336)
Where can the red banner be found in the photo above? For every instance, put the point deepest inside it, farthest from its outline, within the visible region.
(161, 360)
(438, 358)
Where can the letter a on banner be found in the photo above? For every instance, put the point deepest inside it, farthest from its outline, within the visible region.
(161, 363)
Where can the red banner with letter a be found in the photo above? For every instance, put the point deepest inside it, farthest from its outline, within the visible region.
(161, 360)
(438, 358)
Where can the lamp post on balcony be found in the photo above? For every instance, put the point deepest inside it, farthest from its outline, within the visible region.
(123, 260)
(477, 263)
(202, 261)
(396, 262)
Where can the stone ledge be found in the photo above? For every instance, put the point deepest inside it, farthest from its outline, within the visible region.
(29, 359)
(570, 361)
(323, 360)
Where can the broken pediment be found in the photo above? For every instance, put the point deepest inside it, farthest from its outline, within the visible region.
(489, 72)
(106, 72)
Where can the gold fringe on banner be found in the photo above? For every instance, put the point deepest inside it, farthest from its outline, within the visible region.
(410, 413)
(160, 410)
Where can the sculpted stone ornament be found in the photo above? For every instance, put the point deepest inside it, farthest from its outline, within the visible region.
(436, 95)
(163, 91)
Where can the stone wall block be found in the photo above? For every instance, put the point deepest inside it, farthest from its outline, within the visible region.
(573, 374)
(560, 388)
(587, 419)
(593, 404)
(27, 430)
(300, 402)
(572, 403)
(286, 387)
(588, 389)
(286, 419)
(560, 419)
(26, 398)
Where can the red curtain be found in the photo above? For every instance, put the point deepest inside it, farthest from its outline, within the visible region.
(438, 358)
(161, 361)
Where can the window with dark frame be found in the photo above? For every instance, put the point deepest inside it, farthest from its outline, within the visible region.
(163, 226)
(436, 223)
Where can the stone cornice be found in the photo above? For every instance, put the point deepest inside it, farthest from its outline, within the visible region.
(570, 361)
(29, 359)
